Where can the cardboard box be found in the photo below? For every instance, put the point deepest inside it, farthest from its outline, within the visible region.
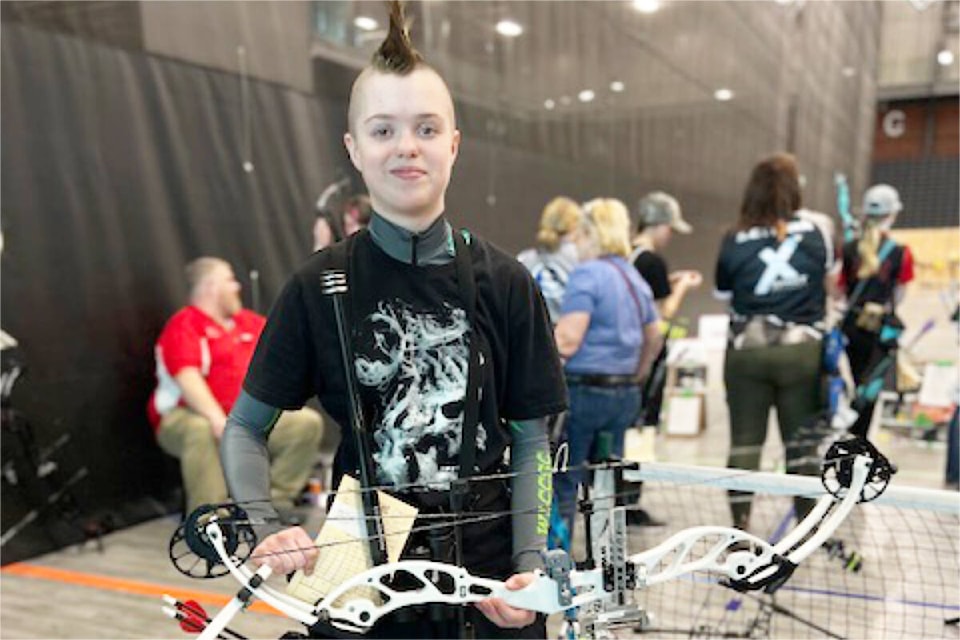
(686, 413)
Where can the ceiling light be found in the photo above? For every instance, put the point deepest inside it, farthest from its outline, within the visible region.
(723, 95)
(509, 28)
(646, 6)
(616, 86)
(848, 72)
(365, 23)
(945, 58)
(587, 95)
(549, 104)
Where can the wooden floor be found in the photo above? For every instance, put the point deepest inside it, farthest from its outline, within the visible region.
(115, 593)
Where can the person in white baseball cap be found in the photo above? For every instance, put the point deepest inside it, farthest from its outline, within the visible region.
(882, 200)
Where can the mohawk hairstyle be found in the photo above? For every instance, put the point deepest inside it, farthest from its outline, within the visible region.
(396, 53)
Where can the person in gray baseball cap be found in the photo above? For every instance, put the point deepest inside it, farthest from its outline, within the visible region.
(658, 217)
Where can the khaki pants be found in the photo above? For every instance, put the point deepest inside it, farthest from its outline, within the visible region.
(293, 446)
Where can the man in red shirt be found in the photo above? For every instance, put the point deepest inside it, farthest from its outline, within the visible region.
(202, 357)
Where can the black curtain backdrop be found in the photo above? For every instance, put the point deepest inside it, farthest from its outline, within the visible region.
(117, 169)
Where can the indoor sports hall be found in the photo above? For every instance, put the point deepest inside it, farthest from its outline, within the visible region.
(479, 319)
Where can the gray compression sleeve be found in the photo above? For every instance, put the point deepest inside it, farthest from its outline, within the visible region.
(532, 492)
(246, 460)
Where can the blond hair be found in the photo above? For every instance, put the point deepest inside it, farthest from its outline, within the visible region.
(561, 216)
(611, 221)
(868, 248)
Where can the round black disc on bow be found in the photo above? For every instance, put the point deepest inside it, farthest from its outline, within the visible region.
(191, 549)
(837, 475)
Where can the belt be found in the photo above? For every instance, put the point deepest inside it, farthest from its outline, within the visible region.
(602, 380)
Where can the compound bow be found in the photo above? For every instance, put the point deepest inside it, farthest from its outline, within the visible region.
(854, 471)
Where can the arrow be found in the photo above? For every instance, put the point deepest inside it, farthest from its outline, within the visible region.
(193, 617)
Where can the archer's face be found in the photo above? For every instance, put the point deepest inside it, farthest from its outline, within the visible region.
(404, 143)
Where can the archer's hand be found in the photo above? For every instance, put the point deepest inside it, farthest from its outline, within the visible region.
(502, 614)
(286, 551)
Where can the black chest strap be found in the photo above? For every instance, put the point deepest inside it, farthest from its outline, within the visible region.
(471, 411)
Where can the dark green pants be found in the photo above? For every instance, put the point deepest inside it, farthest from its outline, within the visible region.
(788, 378)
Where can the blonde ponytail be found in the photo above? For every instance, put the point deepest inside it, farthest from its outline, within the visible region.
(867, 248)
(561, 216)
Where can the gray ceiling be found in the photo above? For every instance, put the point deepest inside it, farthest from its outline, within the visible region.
(672, 59)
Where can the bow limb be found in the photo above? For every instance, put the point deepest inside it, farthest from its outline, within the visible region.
(843, 207)
(746, 560)
(826, 527)
(253, 584)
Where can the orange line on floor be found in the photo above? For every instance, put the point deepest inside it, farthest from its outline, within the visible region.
(109, 583)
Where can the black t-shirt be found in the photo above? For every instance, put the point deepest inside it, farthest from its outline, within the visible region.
(410, 341)
(783, 279)
(653, 269)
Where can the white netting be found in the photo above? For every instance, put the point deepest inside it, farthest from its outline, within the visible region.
(890, 570)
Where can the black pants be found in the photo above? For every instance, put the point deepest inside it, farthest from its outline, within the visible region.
(479, 627)
(864, 353)
(789, 378)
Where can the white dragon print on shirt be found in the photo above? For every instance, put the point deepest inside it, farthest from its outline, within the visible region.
(417, 362)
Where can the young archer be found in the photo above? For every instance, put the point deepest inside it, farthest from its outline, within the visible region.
(412, 335)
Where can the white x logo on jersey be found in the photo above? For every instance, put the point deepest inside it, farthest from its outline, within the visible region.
(778, 269)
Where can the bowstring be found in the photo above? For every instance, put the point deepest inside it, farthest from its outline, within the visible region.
(603, 466)
(437, 487)
(472, 519)
(492, 515)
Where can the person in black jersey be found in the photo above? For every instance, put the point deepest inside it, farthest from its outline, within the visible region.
(659, 217)
(413, 337)
(875, 270)
(772, 268)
